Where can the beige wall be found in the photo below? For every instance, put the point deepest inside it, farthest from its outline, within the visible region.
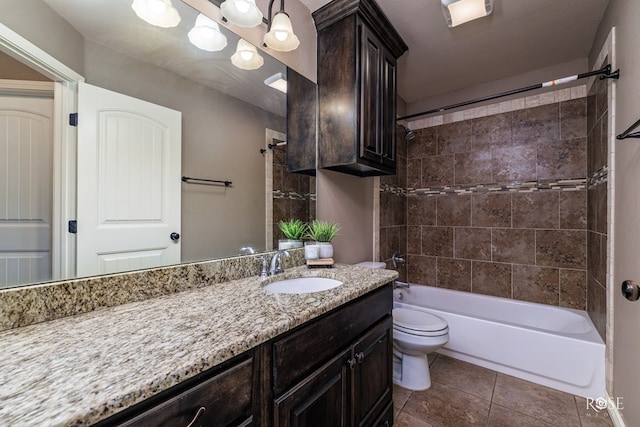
(14, 70)
(222, 136)
(221, 139)
(623, 15)
(349, 201)
(36, 22)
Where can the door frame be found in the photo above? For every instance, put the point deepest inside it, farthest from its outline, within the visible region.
(63, 248)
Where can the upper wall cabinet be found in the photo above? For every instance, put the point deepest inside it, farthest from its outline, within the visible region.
(302, 103)
(357, 52)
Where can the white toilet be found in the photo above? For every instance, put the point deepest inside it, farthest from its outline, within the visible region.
(415, 334)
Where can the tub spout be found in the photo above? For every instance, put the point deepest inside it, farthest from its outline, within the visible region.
(399, 284)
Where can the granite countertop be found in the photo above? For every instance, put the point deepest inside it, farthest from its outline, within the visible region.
(81, 369)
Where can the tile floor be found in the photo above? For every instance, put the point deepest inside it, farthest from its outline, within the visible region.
(463, 394)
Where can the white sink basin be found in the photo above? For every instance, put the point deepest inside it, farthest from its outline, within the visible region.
(302, 285)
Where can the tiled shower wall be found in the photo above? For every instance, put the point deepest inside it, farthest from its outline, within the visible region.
(597, 167)
(497, 205)
(293, 194)
(393, 212)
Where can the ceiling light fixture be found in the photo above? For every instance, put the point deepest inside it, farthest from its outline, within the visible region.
(206, 35)
(243, 13)
(160, 13)
(246, 56)
(280, 35)
(458, 12)
(277, 81)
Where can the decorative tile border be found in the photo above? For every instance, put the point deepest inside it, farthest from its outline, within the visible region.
(292, 195)
(398, 191)
(519, 187)
(598, 177)
(546, 98)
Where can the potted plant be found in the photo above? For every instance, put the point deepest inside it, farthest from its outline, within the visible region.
(323, 232)
(294, 230)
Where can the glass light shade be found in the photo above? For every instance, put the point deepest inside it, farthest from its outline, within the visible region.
(243, 13)
(206, 35)
(458, 12)
(160, 13)
(246, 56)
(281, 36)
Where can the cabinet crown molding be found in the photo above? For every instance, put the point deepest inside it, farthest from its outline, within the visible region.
(370, 12)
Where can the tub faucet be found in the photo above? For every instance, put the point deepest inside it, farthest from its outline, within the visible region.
(399, 284)
(276, 263)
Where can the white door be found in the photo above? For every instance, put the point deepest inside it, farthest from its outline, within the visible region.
(25, 189)
(129, 164)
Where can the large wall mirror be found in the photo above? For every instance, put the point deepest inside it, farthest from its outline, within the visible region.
(231, 128)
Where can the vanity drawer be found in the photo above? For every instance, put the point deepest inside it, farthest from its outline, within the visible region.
(226, 399)
(298, 353)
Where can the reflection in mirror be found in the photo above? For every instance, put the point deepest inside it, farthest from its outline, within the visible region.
(228, 116)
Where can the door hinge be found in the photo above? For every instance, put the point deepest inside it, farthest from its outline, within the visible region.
(73, 119)
(73, 226)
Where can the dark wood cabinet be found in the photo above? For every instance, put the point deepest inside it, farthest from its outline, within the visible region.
(335, 370)
(320, 400)
(223, 396)
(372, 376)
(301, 123)
(357, 52)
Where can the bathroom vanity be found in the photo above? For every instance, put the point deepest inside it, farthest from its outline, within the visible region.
(226, 354)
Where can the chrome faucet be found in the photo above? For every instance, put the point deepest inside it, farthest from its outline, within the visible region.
(276, 263)
(399, 284)
(396, 259)
(247, 250)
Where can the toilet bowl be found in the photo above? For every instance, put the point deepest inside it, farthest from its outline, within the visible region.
(415, 334)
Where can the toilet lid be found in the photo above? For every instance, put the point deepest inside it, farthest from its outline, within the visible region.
(414, 320)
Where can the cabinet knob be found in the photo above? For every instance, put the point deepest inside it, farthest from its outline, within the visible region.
(360, 357)
(351, 363)
(201, 411)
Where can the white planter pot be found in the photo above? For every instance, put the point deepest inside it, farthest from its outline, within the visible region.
(311, 250)
(326, 249)
(284, 244)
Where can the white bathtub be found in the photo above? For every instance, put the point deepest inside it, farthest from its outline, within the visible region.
(552, 346)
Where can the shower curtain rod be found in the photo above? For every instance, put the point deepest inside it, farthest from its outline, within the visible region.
(604, 72)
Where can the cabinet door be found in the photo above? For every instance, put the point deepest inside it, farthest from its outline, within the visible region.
(370, 59)
(319, 400)
(224, 400)
(372, 384)
(388, 111)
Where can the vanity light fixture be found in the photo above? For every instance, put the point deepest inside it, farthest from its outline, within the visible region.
(243, 13)
(206, 35)
(458, 12)
(280, 35)
(246, 56)
(277, 81)
(160, 13)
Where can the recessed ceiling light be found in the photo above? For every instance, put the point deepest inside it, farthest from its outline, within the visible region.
(458, 12)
